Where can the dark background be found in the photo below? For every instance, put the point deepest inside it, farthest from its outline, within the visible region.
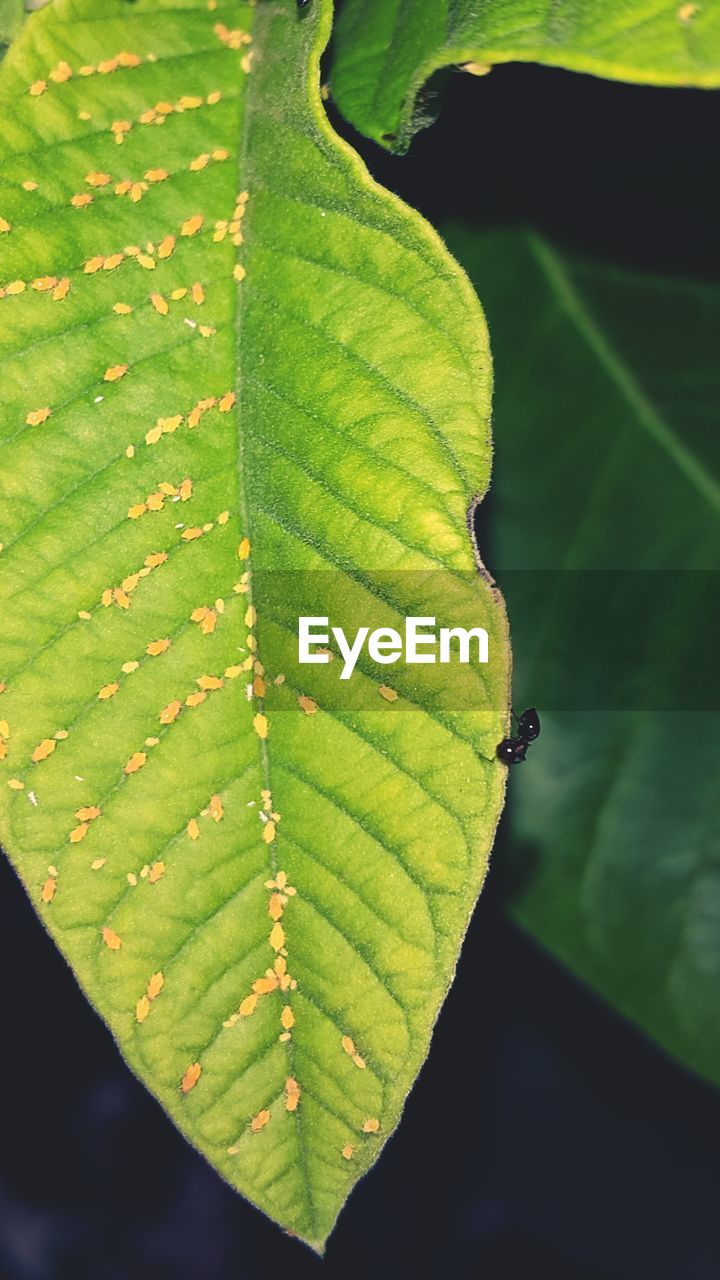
(545, 1136)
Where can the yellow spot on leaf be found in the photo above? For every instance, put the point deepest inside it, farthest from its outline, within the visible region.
(43, 750)
(156, 647)
(191, 1077)
(47, 893)
(37, 416)
(277, 937)
(135, 762)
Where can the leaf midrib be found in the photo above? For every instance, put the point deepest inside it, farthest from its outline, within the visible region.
(242, 173)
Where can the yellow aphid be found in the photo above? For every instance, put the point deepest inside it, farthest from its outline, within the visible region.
(122, 308)
(83, 613)
(387, 693)
(193, 829)
(209, 622)
(263, 986)
(156, 647)
(108, 691)
(170, 712)
(260, 725)
(259, 1121)
(121, 598)
(248, 1006)
(166, 247)
(88, 813)
(97, 864)
(687, 12)
(29, 185)
(348, 1151)
(239, 271)
(190, 535)
(137, 510)
(244, 549)
(159, 303)
(44, 284)
(38, 87)
(200, 162)
(47, 893)
(246, 61)
(371, 1126)
(292, 1089)
(191, 1077)
(277, 937)
(4, 729)
(95, 179)
(155, 986)
(156, 558)
(287, 1017)
(61, 735)
(226, 402)
(61, 73)
(115, 372)
(156, 871)
(61, 290)
(146, 262)
(194, 699)
(348, 1045)
(142, 1008)
(82, 200)
(111, 939)
(113, 262)
(79, 833)
(136, 761)
(191, 226)
(232, 673)
(157, 175)
(151, 742)
(37, 416)
(209, 682)
(43, 750)
(268, 836)
(308, 705)
(276, 905)
(15, 287)
(206, 330)
(359, 1062)
(216, 808)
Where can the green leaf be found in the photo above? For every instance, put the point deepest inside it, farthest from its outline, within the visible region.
(12, 16)
(606, 541)
(205, 393)
(386, 50)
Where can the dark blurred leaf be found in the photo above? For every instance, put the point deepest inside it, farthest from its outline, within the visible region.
(606, 452)
(386, 50)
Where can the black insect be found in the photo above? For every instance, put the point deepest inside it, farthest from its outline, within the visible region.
(513, 750)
